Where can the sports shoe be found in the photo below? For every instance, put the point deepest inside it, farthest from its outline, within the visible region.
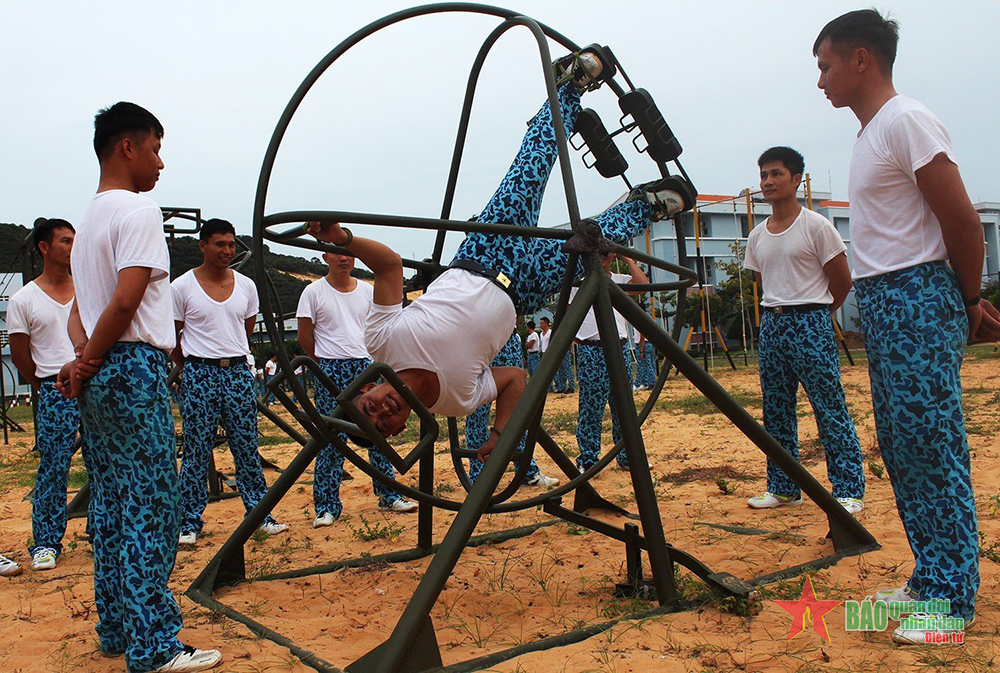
(324, 519)
(43, 559)
(400, 506)
(586, 69)
(929, 634)
(666, 196)
(770, 500)
(190, 659)
(898, 595)
(540, 479)
(188, 538)
(8, 567)
(852, 505)
(273, 528)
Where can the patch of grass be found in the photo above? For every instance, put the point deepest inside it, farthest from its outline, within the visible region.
(367, 532)
(77, 478)
(443, 487)
(617, 607)
(689, 474)
(725, 488)
(876, 469)
(991, 552)
(700, 405)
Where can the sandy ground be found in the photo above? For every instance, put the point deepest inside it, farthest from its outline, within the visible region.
(558, 579)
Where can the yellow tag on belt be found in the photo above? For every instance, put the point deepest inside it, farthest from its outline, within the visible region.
(504, 280)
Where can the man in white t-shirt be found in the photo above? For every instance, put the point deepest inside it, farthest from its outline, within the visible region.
(801, 264)
(331, 320)
(918, 261)
(270, 369)
(215, 309)
(593, 376)
(491, 280)
(533, 347)
(122, 329)
(37, 316)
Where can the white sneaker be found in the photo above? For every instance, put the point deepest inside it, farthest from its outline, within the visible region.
(541, 480)
(897, 595)
(43, 559)
(928, 633)
(8, 567)
(188, 539)
(399, 506)
(770, 500)
(325, 519)
(273, 528)
(190, 659)
(852, 505)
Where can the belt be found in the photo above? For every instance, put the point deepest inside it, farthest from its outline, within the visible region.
(595, 342)
(799, 308)
(498, 278)
(218, 362)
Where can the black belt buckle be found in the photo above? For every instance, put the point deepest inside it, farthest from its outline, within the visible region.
(224, 362)
(779, 309)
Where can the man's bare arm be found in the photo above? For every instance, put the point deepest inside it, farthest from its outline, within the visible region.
(20, 355)
(941, 185)
(381, 259)
(511, 382)
(307, 337)
(77, 335)
(638, 276)
(838, 274)
(177, 355)
(250, 323)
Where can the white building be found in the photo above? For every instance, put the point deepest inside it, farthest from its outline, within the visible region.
(13, 384)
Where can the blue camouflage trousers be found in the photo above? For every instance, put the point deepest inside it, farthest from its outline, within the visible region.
(537, 266)
(131, 457)
(563, 381)
(58, 421)
(800, 348)
(533, 360)
(645, 367)
(915, 332)
(210, 394)
(329, 468)
(477, 424)
(595, 395)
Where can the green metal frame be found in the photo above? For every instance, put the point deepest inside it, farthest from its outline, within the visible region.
(412, 646)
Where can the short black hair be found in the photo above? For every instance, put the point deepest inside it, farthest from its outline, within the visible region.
(788, 157)
(530, 324)
(122, 120)
(546, 320)
(45, 228)
(863, 28)
(215, 226)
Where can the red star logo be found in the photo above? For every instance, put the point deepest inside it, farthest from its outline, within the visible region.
(807, 608)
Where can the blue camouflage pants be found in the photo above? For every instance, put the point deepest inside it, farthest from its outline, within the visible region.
(533, 360)
(800, 348)
(563, 381)
(477, 429)
(210, 394)
(58, 421)
(329, 469)
(645, 368)
(915, 332)
(537, 266)
(595, 395)
(131, 457)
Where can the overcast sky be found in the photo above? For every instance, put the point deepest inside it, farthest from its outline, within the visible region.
(376, 134)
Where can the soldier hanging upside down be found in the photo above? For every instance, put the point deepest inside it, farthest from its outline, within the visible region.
(492, 279)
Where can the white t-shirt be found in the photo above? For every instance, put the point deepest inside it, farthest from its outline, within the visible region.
(543, 340)
(214, 329)
(33, 312)
(532, 343)
(791, 263)
(892, 226)
(270, 368)
(455, 330)
(588, 329)
(120, 230)
(338, 318)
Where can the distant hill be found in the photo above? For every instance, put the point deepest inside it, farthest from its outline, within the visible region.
(289, 273)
